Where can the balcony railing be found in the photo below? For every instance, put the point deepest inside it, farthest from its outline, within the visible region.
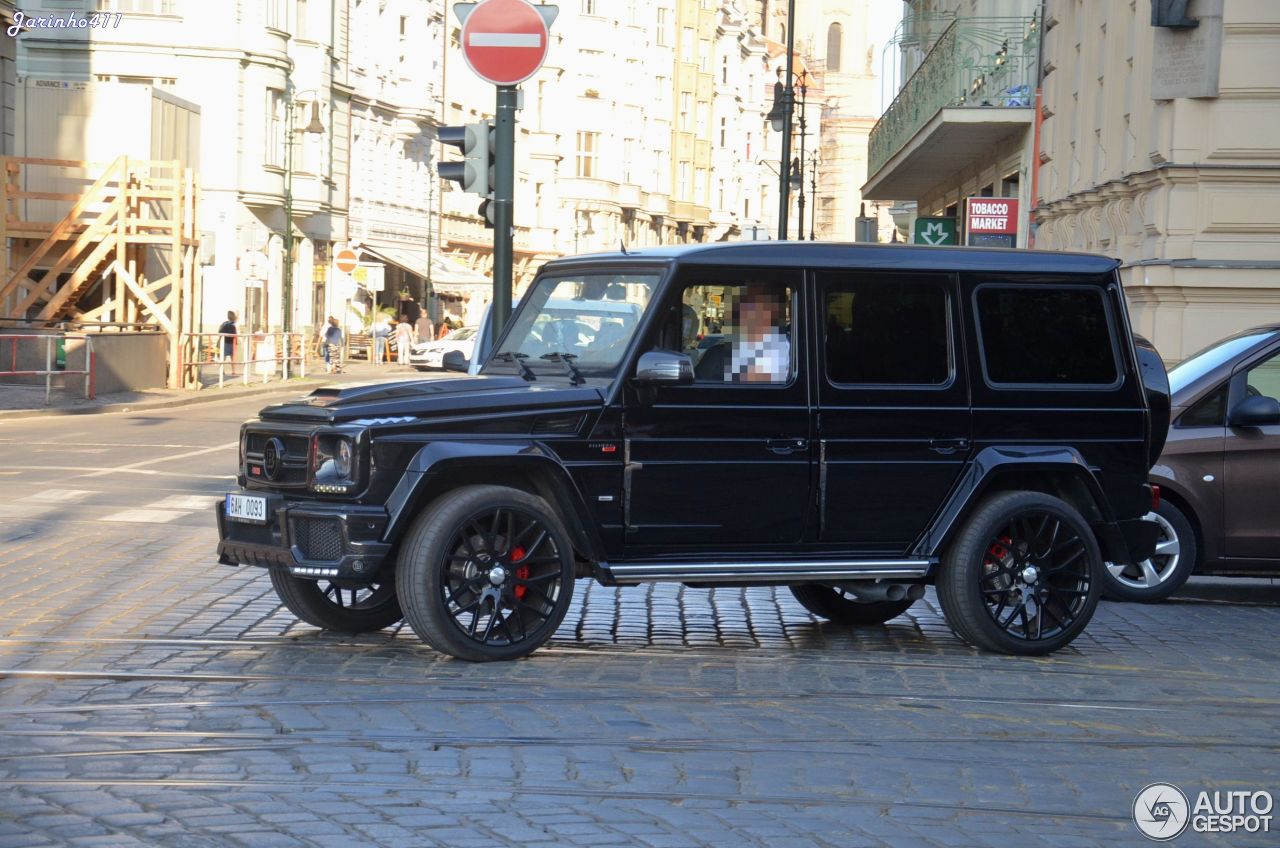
(975, 62)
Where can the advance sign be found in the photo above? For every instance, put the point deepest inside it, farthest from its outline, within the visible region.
(505, 41)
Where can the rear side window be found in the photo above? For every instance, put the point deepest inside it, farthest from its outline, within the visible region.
(1045, 336)
(881, 331)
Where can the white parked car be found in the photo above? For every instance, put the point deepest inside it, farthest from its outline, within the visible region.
(426, 356)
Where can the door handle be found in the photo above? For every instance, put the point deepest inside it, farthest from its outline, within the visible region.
(786, 446)
(948, 446)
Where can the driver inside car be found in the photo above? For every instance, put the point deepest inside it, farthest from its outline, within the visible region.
(760, 351)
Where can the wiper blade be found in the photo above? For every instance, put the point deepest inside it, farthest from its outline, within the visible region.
(576, 378)
(518, 359)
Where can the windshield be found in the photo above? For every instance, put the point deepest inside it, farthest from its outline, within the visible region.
(460, 335)
(587, 317)
(1197, 365)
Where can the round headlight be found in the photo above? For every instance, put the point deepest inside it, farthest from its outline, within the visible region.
(342, 460)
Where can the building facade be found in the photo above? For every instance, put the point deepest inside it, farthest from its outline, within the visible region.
(1166, 155)
(962, 123)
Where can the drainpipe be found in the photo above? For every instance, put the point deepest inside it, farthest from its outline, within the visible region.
(1035, 143)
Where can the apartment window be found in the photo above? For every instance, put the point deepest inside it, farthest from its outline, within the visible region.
(664, 22)
(835, 42)
(724, 133)
(686, 111)
(988, 190)
(724, 69)
(704, 117)
(700, 185)
(683, 188)
(589, 7)
(720, 195)
(588, 153)
(688, 43)
(139, 7)
(300, 19)
(1009, 185)
(628, 155)
(704, 56)
(274, 154)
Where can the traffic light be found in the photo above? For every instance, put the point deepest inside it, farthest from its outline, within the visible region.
(475, 172)
(486, 212)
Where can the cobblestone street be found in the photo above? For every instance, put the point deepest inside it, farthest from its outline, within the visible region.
(149, 696)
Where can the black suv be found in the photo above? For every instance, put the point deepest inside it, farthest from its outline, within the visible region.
(855, 422)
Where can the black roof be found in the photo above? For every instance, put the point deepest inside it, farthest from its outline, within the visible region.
(780, 254)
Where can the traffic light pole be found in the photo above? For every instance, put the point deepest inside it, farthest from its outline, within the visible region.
(503, 202)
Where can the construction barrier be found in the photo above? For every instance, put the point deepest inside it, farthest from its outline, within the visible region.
(263, 355)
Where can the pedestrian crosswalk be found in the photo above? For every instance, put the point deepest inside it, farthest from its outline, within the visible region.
(95, 505)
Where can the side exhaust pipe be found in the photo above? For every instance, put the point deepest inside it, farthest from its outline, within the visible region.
(871, 593)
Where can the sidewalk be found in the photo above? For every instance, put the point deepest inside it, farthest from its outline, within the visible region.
(28, 401)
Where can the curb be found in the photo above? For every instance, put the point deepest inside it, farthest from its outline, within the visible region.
(197, 397)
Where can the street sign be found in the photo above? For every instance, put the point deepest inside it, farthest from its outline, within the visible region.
(345, 260)
(934, 231)
(505, 41)
(371, 276)
(991, 215)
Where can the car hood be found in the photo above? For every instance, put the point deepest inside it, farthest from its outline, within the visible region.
(375, 403)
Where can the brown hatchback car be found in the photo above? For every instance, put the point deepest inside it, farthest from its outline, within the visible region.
(1219, 474)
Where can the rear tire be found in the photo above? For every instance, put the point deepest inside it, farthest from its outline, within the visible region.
(1021, 577)
(1160, 576)
(836, 606)
(486, 573)
(329, 606)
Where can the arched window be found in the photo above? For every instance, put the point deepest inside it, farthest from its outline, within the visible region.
(835, 39)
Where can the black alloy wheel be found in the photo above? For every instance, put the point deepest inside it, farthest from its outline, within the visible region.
(840, 606)
(1021, 578)
(486, 573)
(338, 605)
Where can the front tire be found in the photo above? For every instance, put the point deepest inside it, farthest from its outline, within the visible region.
(837, 606)
(486, 573)
(344, 608)
(1164, 573)
(1021, 576)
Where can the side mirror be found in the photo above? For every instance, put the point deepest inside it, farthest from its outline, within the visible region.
(454, 361)
(1258, 411)
(664, 366)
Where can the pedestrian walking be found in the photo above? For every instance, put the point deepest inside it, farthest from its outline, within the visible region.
(332, 340)
(227, 339)
(380, 333)
(404, 338)
(425, 329)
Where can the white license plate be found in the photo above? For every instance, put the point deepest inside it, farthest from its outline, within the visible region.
(248, 508)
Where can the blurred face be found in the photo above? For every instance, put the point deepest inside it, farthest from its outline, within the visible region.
(759, 312)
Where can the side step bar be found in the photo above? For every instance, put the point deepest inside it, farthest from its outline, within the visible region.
(746, 572)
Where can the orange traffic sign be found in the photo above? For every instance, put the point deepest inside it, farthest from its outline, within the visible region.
(345, 260)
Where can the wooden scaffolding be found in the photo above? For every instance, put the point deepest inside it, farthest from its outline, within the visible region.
(101, 245)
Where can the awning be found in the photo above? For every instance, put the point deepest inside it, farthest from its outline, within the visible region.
(446, 275)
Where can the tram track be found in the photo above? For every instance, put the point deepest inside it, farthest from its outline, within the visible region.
(587, 692)
(472, 786)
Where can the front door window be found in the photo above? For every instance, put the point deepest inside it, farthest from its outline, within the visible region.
(723, 462)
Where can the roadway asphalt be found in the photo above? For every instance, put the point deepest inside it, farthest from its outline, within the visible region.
(149, 696)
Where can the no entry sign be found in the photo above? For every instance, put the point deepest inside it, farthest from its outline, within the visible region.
(504, 41)
(345, 260)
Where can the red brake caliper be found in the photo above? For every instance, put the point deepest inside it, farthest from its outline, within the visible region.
(999, 550)
(522, 571)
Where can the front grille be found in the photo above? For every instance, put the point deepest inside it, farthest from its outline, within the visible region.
(319, 539)
(291, 468)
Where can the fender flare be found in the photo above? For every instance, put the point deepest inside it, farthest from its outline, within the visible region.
(984, 470)
(435, 459)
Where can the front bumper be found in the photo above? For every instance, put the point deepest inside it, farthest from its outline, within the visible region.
(316, 540)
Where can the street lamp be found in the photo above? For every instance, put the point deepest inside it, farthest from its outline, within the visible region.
(314, 127)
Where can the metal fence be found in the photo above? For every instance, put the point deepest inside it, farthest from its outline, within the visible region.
(51, 344)
(257, 357)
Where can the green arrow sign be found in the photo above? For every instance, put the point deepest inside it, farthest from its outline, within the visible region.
(934, 231)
